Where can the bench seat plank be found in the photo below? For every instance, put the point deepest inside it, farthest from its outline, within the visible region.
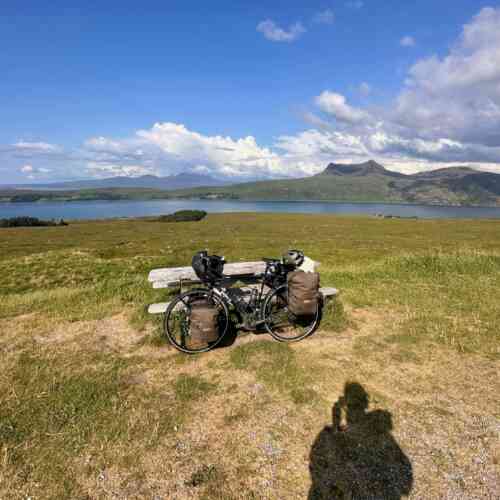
(175, 274)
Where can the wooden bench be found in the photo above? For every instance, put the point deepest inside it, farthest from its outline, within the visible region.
(236, 272)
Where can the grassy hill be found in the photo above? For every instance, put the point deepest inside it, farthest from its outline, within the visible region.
(93, 403)
(371, 182)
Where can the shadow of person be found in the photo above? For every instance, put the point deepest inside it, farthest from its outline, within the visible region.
(357, 457)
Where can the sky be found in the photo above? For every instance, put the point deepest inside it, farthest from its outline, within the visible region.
(244, 90)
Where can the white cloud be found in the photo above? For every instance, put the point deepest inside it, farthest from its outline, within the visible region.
(224, 155)
(31, 172)
(326, 16)
(36, 146)
(457, 96)
(336, 105)
(447, 113)
(103, 170)
(275, 33)
(407, 41)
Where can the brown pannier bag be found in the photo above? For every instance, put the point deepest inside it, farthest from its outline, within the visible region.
(303, 293)
(203, 325)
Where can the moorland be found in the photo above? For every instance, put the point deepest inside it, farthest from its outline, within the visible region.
(94, 404)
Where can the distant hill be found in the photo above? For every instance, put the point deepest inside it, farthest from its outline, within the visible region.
(359, 170)
(363, 182)
(370, 182)
(180, 181)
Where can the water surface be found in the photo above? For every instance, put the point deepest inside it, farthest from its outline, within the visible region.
(132, 208)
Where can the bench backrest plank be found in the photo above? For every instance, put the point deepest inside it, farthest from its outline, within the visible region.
(236, 271)
(175, 274)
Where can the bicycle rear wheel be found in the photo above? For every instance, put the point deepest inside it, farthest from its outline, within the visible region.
(177, 320)
(281, 323)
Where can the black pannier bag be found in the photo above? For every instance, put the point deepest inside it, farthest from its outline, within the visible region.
(203, 324)
(303, 293)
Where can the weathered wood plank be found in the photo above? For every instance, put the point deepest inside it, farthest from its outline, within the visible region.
(244, 278)
(161, 307)
(174, 274)
(242, 271)
(328, 291)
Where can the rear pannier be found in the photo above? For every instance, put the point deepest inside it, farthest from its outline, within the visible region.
(203, 325)
(303, 293)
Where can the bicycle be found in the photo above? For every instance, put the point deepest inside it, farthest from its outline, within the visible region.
(264, 306)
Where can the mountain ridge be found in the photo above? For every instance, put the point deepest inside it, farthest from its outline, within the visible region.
(371, 182)
(171, 182)
(362, 182)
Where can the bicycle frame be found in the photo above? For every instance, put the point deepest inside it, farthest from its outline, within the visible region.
(252, 316)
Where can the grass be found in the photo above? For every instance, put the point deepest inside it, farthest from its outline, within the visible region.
(192, 387)
(92, 401)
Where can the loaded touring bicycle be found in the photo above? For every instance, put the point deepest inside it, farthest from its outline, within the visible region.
(285, 302)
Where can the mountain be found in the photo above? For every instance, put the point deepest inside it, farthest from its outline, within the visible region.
(179, 181)
(446, 173)
(362, 182)
(370, 182)
(361, 169)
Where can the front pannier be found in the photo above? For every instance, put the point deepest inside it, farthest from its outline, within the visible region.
(303, 293)
(203, 325)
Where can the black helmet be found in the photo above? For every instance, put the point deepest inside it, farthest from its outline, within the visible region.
(293, 258)
(208, 268)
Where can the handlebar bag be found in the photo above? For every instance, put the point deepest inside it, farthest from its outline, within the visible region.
(203, 325)
(303, 293)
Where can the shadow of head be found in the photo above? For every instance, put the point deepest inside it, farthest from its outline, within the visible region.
(357, 456)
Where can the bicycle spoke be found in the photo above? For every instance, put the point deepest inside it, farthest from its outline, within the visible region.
(282, 324)
(177, 321)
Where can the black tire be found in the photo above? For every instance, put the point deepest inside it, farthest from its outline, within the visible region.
(281, 323)
(178, 313)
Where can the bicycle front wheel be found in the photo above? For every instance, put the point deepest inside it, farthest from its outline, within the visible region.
(177, 323)
(281, 323)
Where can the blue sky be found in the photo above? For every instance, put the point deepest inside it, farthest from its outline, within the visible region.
(245, 89)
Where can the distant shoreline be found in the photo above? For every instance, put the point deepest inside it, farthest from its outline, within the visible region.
(109, 209)
(248, 200)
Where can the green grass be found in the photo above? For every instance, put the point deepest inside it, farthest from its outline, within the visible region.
(276, 365)
(445, 272)
(432, 284)
(192, 387)
(58, 411)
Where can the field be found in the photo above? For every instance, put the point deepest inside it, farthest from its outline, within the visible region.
(94, 404)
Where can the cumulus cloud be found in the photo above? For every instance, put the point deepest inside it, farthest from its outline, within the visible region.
(335, 104)
(326, 16)
(32, 172)
(447, 113)
(224, 155)
(457, 96)
(407, 41)
(275, 33)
